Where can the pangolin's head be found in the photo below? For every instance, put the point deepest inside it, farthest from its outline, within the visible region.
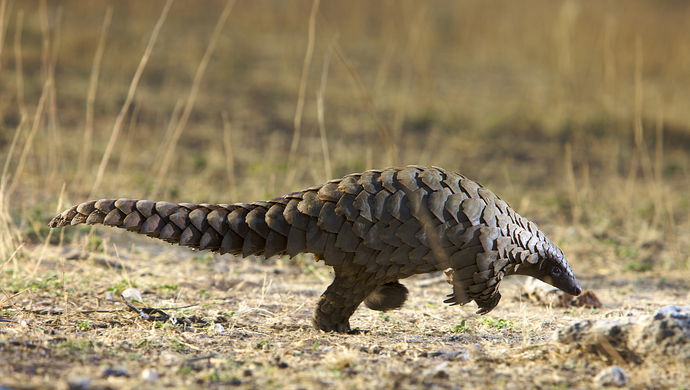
(553, 268)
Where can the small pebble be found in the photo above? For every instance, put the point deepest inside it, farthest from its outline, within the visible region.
(131, 294)
(115, 372)
(149, 375)
(218, 329)
(462, 354)
(613, 375)
(78, 383)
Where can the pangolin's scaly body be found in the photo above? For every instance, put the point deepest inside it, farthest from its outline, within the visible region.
(373, 228)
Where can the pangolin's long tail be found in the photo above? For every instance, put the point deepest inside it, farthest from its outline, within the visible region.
(242, 229)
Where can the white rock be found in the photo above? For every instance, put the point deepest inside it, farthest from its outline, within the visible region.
(218, 329)
(613, 375)
(131, 294)
(149, 375)
(78, 383)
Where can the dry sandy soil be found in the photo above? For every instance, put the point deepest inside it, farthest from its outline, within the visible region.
(246, 323)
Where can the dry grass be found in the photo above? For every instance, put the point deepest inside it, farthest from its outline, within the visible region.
(573, 112)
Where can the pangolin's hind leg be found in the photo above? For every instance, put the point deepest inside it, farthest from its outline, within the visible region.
(338, 302)
(388, 296)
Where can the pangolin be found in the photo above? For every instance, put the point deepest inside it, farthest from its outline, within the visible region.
(374, 228)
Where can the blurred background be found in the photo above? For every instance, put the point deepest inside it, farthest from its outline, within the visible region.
(576, 113)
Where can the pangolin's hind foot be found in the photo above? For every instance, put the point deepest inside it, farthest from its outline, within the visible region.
(338, 302)
(388, 296)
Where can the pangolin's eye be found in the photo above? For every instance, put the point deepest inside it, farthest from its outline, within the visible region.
(556, 272)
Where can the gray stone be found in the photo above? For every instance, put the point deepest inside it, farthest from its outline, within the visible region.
(665, 333)
(78, 383)
(611, 376)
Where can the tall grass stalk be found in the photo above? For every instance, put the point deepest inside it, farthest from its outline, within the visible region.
(297, 121)
(406, 74)
(46, 242)
(128, 100)
(91, 94)
(229, 156)
(3, 26)
(127, 144)
(29, 141)
(48, 64)
(368, 102)
(8, 241)
(18, 63)
(191, 99)
(576, 207)
(320, 114)
(166, 140)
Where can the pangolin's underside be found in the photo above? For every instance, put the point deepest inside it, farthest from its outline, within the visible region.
(374, 228)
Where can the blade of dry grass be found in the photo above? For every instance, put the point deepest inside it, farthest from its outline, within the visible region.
(167, 137)
(9, 242)
(55, 144)
(659, 141)
(13, 257)
(7, 232)
(3, 26)
(192, 97)
(383, 70)
(384, 132)
(20, 87)
(45, 37)
(10, 152)
(320, 113)
(29, 141)
(576, 207)
(128, 100)
(65, 313)
(640, 144)
(406, 74)
(297, 122)
(229, 156)
(653, 182)
(665, 208)
(128, 139)
(609, 57)
(91, 94)
(46, 242)
(18, 63)
(674, 243)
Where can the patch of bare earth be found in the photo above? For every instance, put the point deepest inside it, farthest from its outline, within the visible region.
(247, 323)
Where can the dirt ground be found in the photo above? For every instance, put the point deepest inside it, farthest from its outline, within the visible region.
(573, 112)
(246, 323)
